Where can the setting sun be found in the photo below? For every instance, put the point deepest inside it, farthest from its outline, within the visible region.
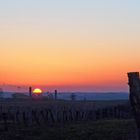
(37, 91)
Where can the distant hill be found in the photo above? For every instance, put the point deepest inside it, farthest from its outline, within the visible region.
(83, 95)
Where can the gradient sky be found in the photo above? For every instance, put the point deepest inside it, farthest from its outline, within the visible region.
(86, 45)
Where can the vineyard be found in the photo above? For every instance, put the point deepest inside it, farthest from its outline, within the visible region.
(32, 115)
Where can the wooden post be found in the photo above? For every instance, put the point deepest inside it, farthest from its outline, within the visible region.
(17, 117)
(5, 121)
(42, 116)
(30, 92)
(47, 115)
(134, 84)
(55, 94)
(70, 115)
(51, 115)
(35, 117)
(25, 119)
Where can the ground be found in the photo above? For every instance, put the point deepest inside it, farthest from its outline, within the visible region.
(99, 130)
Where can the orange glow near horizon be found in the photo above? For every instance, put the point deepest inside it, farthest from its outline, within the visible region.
(67, 66)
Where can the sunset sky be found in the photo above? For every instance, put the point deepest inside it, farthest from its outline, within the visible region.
(74, 45)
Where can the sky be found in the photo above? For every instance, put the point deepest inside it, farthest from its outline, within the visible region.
(72, 45)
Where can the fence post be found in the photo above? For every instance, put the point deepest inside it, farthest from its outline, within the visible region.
(5, 121)
(134, 87)
(25, 119)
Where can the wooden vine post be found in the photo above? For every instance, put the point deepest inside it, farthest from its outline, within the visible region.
(134, 87)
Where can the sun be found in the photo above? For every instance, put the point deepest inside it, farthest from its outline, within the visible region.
(37, 91)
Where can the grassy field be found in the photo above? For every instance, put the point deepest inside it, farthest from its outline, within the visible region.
(99, 130)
